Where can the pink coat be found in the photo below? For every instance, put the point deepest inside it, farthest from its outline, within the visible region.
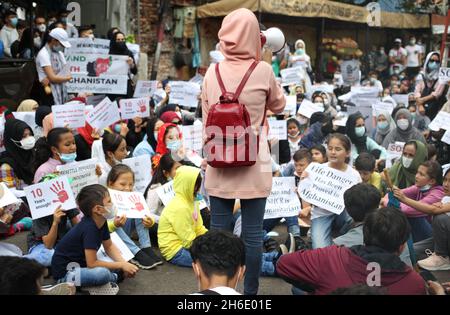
(240, 43)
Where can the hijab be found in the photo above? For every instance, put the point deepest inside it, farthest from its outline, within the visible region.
(169, 117)
(119, 48)
(41, 112)
(86, 134)
(381, 133)
(151, 133)
(19, 159)
(430, 75)
(27, 106)
(359, 142)
(161, 148)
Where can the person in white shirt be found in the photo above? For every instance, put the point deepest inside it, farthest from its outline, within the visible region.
(397, 57)
(413, 58)
(218, 262)
(8, 33)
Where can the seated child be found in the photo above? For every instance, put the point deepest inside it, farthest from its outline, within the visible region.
(365, 165)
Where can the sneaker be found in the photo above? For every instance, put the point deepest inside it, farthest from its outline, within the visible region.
(435, 262)
(283, 250)
(270, 245)
(66, 288)
(290, 243)
(143, 261)
(106, 289)
(151, 253)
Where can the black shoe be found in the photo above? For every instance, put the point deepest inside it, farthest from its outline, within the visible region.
(149, 251)
(300, 244)
(270, 245)
(143, 261)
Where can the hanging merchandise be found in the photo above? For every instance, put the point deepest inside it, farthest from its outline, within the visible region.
(189, 22)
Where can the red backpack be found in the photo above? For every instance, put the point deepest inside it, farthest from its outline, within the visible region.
(231, 141)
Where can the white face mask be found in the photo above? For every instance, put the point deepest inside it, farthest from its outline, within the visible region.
(406, 162)
(403, 124)
(26, 144)
(42, 28)
(37, 42)
(111, 212)
(302, 121)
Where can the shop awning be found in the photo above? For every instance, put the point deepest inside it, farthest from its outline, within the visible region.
(314, 9)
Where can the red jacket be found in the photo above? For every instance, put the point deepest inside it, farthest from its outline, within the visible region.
(330, 268)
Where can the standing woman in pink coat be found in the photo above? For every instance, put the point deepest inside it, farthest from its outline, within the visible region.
(240, 43)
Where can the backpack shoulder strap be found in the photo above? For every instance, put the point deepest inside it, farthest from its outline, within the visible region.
(245, 79)
(219, 79)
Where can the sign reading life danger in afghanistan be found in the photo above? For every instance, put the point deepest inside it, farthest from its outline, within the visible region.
(100, 74)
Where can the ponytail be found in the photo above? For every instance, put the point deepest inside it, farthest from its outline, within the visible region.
(44, 146)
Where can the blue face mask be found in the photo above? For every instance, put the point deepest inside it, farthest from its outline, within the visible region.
(14, 21)
(68, 158)
(425, 188)
(383, 125)
(64, 20)
(198, 197)
(299, 51)
(433, 65)
(174, 145)
(117, 128)
(360, 131)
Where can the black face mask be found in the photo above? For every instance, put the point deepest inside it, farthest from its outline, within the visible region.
(300, 97)
(327, 128)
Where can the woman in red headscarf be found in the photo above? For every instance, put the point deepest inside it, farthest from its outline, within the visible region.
(83, 140)
(170, 140)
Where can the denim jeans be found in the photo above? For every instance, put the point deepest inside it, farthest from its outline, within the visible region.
(268, 263)
(252, 212)
(322, 228)
(128, 241)
(142, 231)
(41, 254)
(182, 258)
(89, 277)
(291, 222)
(420, 229)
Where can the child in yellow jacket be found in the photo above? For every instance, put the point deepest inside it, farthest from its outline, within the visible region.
(180, 222)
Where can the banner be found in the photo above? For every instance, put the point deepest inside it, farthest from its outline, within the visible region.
(6, 196)
(103, 115)
(278, 129)
(101, 74)
(283, 201)
(80, 174)
(71, 116)
(145, 88)
(135, 107)
(141, 167)
(184, 93)
(44, 198)
(126, 254)
(394, 152)
(325, 187)
(193, 137)
(131, 204)
(291, 76)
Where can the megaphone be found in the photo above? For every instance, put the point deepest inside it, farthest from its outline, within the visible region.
(273, 38)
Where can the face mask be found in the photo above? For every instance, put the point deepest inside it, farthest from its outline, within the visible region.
(320, 104)
(382, 125)
(14, 21)
(412, 41)
(68, 158)
(413, 115)
(360, 131)
(42, 28)
(26, 144)
(51, 22)
(37, 42)
(294, 136)
(425, 188)
(406, 162)
(403, 124)
(111, 212)
(64, 20)
(300, 51)
(58, 49)
(121, 45)
(198, 197)
(302, 121)
(174, 145)
(117, 128)
(433, 65)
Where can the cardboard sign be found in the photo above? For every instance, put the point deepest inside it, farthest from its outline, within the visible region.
(380, 107)
(141, 167)
(308, 108)
(401, 99)
(103, 115)
(444, 75)
(283, 201)
(145, 88)
(184, 93)
(325, 187)
(125, 252)
(193, 137)
(194, 157)
(441, 121)
(6, 196)
(291, 105)
(350, 71)
(131, 204)
(291, 76)
(278, 129)
(80, 174)
(88, 46)
(70, 115)
(44, 198)
(135, 107)
(97, 73)
(166, 194)
(394, 152)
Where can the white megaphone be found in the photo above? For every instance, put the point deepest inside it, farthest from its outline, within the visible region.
(273, 38)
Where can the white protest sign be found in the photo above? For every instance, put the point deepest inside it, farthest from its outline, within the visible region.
(365, 91)
(291, 76)
(184, 93)
(340, 120)
(291, 105)
(94, 100)
(44, 198)
(80, 174)
(278, 129)
(135, 107)
(136, 50)
(308, 108)
(446, 137)
(441, 121)
(350, 71)
(198, 78)
(6, 196)
(325, 187)
(103, 115)
(166, 194)
(88, 46)
(401, 99)
(193, 137)
(444, 75)
(283, 201)
(380, 107)
(141, 167)
(145, 88)
(159, 95)
(125, 252)
(394, 152)
(194, 157)
(131, 204)
(28, 117)
(2, 131)
(71, 115)
(327, 88)
(101, 74)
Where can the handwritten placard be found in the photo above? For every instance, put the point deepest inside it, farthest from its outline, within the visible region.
(130, 204)
(283, 201)
(291, 76)
(278, 129)
(70, 115)
(145, 88)
(193, 137)
(394, 152)
(103, 115)
(380, 107)
(6, 196)
(308, 108)
(184, 93)
(135, 107)
(166, 194)
(441, 121)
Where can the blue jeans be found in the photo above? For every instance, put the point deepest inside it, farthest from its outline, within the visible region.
(420, 229)
(291, 222)
(128, 241)
(182, 258)
(252, 233)
(41, 254)
(142, 231)
(322, 228)
(89, 277)
(268, 263)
